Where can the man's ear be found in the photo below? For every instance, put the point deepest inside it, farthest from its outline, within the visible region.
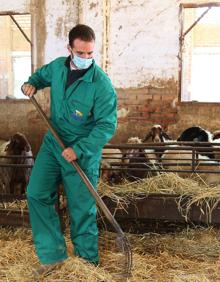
(69, 48)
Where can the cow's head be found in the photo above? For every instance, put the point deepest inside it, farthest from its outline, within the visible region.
(156, 134)
(17, 144)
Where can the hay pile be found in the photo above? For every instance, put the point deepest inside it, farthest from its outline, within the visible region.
(165, 183)
(189, 256)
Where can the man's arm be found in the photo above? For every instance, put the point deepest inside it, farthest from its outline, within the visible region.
(38, 80)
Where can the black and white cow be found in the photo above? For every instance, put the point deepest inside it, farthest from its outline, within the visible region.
(198, 134)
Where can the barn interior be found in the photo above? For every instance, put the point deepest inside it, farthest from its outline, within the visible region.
(160, 173)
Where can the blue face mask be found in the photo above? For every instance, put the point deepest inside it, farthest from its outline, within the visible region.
(82, 63)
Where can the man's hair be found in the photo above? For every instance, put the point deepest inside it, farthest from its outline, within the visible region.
(81, 31)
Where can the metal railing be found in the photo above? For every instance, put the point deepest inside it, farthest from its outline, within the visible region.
(156, 162)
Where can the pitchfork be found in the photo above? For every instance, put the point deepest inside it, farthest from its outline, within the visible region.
(122, 240)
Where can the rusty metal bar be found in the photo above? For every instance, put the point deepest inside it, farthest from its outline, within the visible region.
(14, 218)
(11, 198)
(199, 18)
(161, 170)
(21, 30)
(16, 157)
(193, 160)
(200, 5)
(155, 164)
(181, 145)
(16, 165)
(146, 208)
(152, 158)
(180, 52)
(142, 209)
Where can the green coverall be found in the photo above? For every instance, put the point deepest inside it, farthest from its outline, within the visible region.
(85, 117)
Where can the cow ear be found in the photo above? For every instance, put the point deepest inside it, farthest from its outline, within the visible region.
(166, 135)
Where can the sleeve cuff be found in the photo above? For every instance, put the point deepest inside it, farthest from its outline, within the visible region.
(32, 82)
(77, 151)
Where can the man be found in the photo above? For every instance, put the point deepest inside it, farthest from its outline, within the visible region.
(83, 112)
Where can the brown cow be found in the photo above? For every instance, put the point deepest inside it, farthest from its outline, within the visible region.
(19, 177)
(139, 161)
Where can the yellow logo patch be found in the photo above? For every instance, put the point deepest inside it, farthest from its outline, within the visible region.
(78, 113)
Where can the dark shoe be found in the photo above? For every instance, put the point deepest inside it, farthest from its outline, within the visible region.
(45, 269)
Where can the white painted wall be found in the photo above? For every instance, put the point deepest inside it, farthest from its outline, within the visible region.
(91, 13)
(19, 6)
(143, 39)
(60, 15)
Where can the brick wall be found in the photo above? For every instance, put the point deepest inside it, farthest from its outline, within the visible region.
(155, 104)
(145, 107)
(189, 114)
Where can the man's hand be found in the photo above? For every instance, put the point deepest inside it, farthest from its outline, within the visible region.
(69, 155)
(28, 89)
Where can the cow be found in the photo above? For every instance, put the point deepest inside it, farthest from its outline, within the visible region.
(4, 171)
(111, 160)
(139, 161)
(198, 134)
(180, 160)
(195, 134)
(156, 135)
(17, 178)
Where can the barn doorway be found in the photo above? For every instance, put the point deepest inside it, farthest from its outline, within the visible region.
(200, 53)
(15, 54)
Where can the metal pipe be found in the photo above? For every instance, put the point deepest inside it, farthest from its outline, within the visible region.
(21, 30)
(16, 165)
(199, 18)
(160, 170)
(15, 157)
(179, 146)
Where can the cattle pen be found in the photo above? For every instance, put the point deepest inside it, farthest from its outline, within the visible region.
(156, 212)
(140, 165)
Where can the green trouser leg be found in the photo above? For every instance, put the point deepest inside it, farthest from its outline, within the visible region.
(42, 196)
(82, 210)
(50, 168)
